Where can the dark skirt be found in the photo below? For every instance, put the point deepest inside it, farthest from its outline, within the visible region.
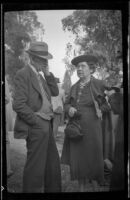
(85, 157)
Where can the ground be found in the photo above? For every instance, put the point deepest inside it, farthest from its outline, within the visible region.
(18, 157)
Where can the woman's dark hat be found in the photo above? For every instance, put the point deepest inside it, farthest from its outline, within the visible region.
(39, 49)
(84, 58)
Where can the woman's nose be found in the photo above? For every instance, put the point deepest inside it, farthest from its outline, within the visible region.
(79, 68)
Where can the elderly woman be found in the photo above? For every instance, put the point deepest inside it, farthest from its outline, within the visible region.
(85, 156)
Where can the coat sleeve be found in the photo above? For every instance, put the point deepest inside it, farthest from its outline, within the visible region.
(116, 102)
(20, 100)
(52, 84)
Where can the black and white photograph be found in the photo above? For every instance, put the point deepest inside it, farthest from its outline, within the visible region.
(64, 75)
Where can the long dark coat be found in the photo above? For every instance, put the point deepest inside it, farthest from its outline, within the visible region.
(118, 177)
(91, 147)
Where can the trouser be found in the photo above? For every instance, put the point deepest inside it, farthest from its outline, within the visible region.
(52, 169)
(42, 169)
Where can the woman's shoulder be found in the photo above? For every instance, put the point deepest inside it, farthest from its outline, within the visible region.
(95, 80)
(74, 86)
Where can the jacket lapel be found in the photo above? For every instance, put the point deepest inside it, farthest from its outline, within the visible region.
(46, 88)
(34, 80)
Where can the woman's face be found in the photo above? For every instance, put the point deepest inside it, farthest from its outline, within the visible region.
(83, 70)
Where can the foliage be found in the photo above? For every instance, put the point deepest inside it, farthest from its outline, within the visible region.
(19, 29)
(97, 32)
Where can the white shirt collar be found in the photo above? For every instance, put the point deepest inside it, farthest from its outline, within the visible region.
(35, 71)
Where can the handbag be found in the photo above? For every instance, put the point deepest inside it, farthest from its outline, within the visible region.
(73, 129)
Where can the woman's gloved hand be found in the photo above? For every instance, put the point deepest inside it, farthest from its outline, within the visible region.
(72, 111)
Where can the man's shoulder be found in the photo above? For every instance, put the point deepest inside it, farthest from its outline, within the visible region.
(22, 72)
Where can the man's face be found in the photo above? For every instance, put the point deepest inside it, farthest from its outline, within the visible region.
(40, 63)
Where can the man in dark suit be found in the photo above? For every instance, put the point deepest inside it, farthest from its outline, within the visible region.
(32, 103)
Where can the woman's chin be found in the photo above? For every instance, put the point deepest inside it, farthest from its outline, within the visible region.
(80, 76)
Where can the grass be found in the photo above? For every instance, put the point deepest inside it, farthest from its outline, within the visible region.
(14, 183)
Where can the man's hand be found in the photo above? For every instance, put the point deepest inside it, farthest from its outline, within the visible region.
(45, 70)
(72, 110)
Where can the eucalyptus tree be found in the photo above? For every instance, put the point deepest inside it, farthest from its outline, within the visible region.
(19, 28)
(98, 32)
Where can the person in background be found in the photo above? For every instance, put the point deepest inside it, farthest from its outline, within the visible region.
(85, 157)
(110, 123)
(58, 108)
(9, 126)
(118, 176)
(32, 103)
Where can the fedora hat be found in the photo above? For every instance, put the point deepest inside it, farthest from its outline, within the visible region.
(39, 49)
(84, 58)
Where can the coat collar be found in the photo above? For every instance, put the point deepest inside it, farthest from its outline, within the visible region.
(35, 83)
(94, 87)
(34, 79)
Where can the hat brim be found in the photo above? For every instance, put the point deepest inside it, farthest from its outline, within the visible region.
(48, 56)
(84, 58)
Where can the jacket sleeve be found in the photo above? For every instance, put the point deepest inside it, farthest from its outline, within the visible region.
(20, 100)
(52, 84)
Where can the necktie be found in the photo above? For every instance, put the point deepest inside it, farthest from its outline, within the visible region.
(46, 109)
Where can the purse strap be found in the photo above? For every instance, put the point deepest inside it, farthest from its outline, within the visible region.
(98, 111)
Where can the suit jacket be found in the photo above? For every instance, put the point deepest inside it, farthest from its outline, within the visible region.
(28, 100)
